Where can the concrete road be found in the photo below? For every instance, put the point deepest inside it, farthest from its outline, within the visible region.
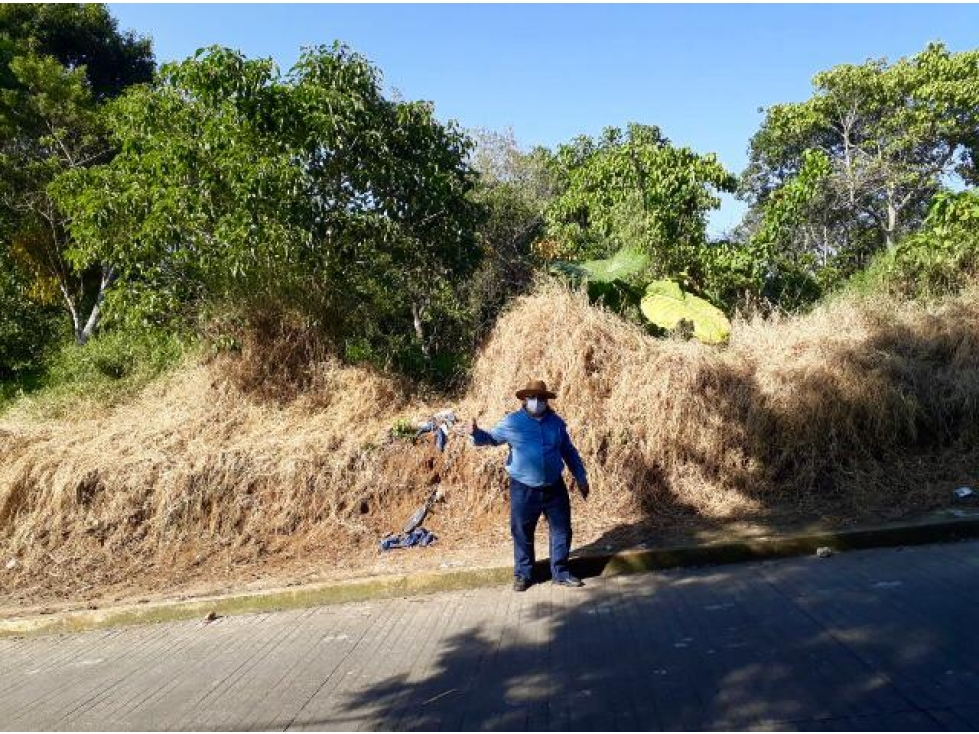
(870, 640)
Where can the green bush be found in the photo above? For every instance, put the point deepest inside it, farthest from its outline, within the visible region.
(28, 330)
(111, 368)
(938, 260)
(116, 355)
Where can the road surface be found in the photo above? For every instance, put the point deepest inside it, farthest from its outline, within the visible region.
(870, 640)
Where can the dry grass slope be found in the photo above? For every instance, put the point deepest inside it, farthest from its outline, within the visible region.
(864, 409)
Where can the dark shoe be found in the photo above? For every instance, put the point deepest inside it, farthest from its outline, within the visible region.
(521, 584)
(568, 581)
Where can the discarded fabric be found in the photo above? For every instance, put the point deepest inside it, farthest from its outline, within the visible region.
(418, 536)
(440, 424)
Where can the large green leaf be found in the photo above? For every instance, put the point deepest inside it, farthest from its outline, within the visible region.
(620, 266)
(666, 305)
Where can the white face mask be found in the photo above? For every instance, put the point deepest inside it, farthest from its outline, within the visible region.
(536, 406)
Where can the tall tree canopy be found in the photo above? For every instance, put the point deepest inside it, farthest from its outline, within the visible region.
(81, 35)
(58, 63)
(633, 189)
(311, 189)
(891, 135)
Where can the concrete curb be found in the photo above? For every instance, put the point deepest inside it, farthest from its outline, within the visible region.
(388, 587)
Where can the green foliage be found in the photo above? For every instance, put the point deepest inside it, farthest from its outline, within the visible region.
(662, 303)
(403, 429)
(610, 281)
(144, 204)
(666, 305)
(637, 196)
(19, 386)
(117, 355)
(938, 260)
(776, 266)
(756, 277)
(81, 35)
(621, 266)
(237, 184)
(50, 125)
(633, 190)
(512, 191)
(59, 62)
(27, 329)
(885, 134)
(110, 368)
(734, 274)
(789, 205)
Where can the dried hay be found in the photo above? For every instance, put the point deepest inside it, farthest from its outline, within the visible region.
(861, 409)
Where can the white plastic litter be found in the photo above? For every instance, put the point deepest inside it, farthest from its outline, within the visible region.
(963, 492)
(824, 551)
(11, 564)
(447, 415)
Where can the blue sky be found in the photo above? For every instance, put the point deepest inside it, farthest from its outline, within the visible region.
(551, 72)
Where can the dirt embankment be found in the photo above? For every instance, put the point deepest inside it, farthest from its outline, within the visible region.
(862, 410)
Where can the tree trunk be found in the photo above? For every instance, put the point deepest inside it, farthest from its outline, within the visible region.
(73, 310)
(416, 313)
(891, 227)
(108, 278)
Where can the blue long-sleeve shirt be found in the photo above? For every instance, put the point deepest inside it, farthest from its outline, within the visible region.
(539, 448)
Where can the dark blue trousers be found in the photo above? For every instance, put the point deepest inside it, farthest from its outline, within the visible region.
(527, 504)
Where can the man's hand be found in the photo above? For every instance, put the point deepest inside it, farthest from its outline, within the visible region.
(472, 427)
(583, 488)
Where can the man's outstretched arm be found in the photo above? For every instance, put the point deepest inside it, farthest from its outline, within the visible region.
(495, 436)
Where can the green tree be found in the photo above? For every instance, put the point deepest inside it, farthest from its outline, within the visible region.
(59, 62)
(236, 184)
(513, 191)
(890, 134)
(54, 127)
(81, 35)
(634, 190)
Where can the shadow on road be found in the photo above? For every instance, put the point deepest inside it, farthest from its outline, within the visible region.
(862, 642)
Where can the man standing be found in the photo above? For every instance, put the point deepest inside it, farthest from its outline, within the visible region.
(539, 449)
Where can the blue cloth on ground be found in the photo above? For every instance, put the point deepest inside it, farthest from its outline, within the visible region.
(441, 434)
(418, 536)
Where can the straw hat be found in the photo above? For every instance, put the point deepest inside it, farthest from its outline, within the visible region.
(535, 388)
